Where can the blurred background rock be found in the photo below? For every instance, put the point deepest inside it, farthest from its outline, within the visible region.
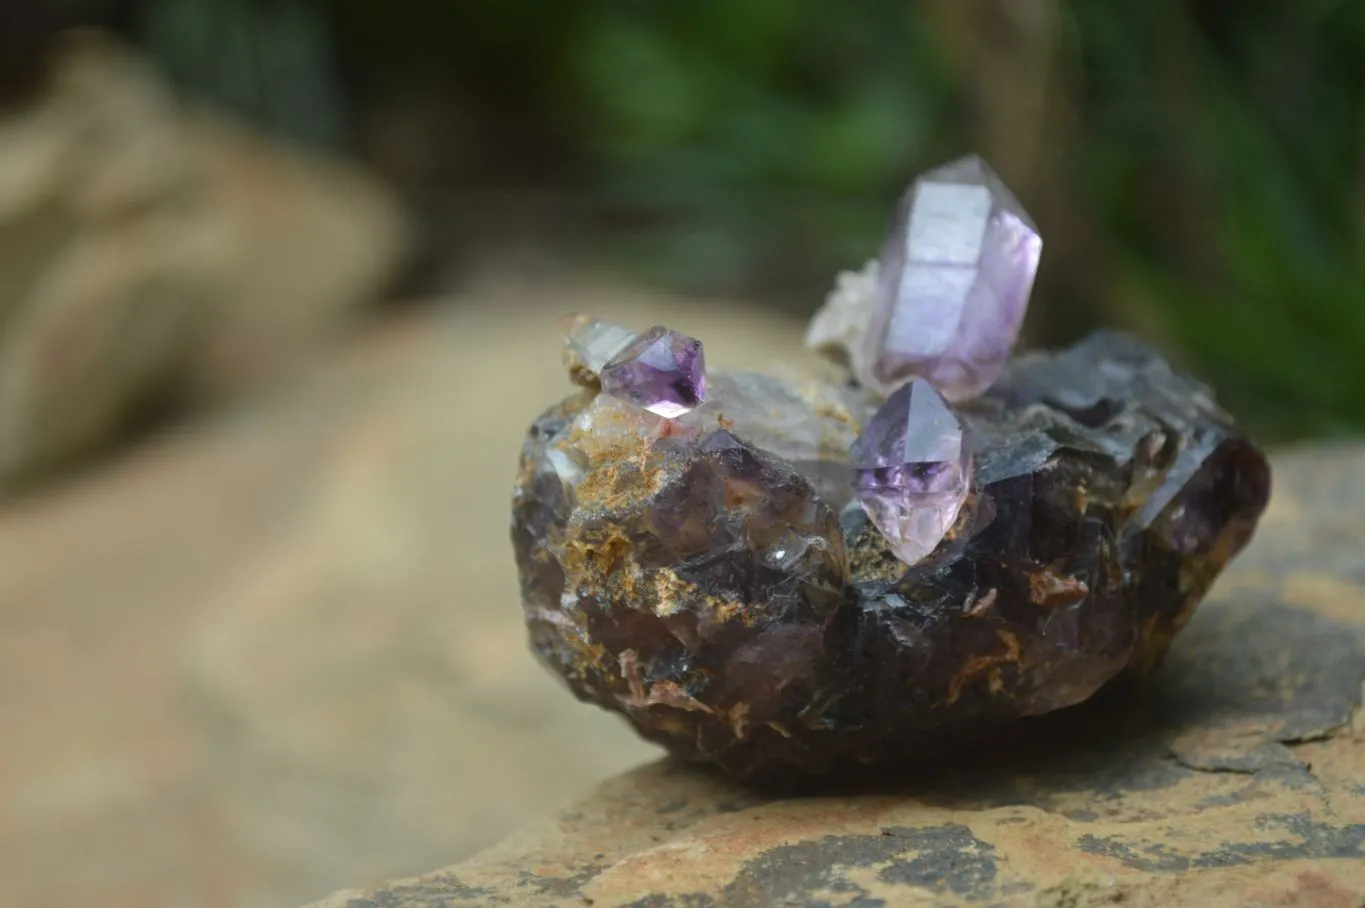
(258, 624)
(152, 254)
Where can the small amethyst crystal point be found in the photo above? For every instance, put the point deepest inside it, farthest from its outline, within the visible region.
(661, 370)
(910, 470)
(955, 276)
(589, 344)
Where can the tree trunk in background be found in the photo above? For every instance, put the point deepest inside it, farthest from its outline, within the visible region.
(1012, 61)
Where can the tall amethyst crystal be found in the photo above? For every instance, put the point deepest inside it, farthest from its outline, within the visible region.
(661, 371)
(955, 276)
(910, 469)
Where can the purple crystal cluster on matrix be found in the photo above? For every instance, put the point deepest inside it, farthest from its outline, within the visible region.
(787, 576)
(954, 281)
(711, 585)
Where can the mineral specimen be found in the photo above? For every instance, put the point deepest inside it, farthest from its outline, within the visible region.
(712, 579)
(661, 371)
(910, 469)
(954, 281)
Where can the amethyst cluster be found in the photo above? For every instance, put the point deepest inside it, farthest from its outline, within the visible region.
(781, 575)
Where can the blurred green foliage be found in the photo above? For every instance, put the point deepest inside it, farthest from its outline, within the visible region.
(1224, 154)
(774, 132)
(1208, 186)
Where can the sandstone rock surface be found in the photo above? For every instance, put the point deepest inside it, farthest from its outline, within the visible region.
(150, 250)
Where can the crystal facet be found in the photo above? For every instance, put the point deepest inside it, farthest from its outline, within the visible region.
(589, 344)
(661, 370)
(956, 272)
(910, 470)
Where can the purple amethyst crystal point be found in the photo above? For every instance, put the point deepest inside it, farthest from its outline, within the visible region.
(956, 272)
(661, 370)
(910, 470)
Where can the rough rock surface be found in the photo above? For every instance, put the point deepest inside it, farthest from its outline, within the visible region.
(148, 250)
(1231, 778)
(705, 577)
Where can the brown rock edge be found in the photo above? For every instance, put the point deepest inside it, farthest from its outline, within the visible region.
(1235, 776)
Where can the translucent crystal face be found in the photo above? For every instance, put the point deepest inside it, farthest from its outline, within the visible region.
(662, 371)
(954, 281)
(911, 469)
(590, 343)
